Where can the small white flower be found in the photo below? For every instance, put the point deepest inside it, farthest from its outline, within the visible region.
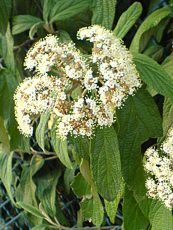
(104, 79)
(159, 165)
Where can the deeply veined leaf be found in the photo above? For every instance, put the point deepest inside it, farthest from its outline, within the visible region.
(167, 115)
(104, 12)
(41, 130)
(132, 215)
(127, 20)
(160, 217)
(137, 121)
(22, 23)
(66, 9)
(168, 105)
(167, 65)
(111, 206)
(153, 211)
(61, 148)
(150, 22)
(82, 147)
(105, 163)
(154, 75)
(5, 8)
(47, 8)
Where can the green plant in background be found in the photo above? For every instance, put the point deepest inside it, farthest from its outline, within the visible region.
(94, 176)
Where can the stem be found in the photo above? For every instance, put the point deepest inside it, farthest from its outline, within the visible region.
(49, 28)
(22, 44)
(33, 151)
(51, 158)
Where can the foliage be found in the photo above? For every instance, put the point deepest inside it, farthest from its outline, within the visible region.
(97, 176)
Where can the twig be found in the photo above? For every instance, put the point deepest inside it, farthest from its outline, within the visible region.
(22, 44)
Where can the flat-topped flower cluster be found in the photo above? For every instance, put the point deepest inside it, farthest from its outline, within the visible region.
(103, 81)
(159, 166)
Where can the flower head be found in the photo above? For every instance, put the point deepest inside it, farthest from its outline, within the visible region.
(102, 80)
(159, 166)
(33, 97)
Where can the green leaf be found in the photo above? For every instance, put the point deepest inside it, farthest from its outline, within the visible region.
(132, 215)
(31, 209)
(66, 9)
(111, 206)
(68, 178)
(92, 210)
(8, 84)
(7, 50)
(4, 138)
(137, 121)
(64, 36)
(46, 189)
(26, 190)
(22, 23)
(82, 147)
(128, 19)
(133, 131)
(155, 52)
(103, 12)
(80, 187)
(105, 163)
(86, 173)
(41, 130)
(168, 105)
(161, 217)
(167, 115)
(47, 8)
(61, 148)
(154, 75)
(6, 172)
(167, 65)
(6, 161)
(4, 14)
(33, 30)
(151, 21)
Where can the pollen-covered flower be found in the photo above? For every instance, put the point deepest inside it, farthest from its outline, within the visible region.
(42, 55)
(116, 70)
(82, 91)
(159, 166)
(33, 97)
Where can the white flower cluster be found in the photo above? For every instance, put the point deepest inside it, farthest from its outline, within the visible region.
(115, 66)
(105, 79)
(33, 97)
(159, 166)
